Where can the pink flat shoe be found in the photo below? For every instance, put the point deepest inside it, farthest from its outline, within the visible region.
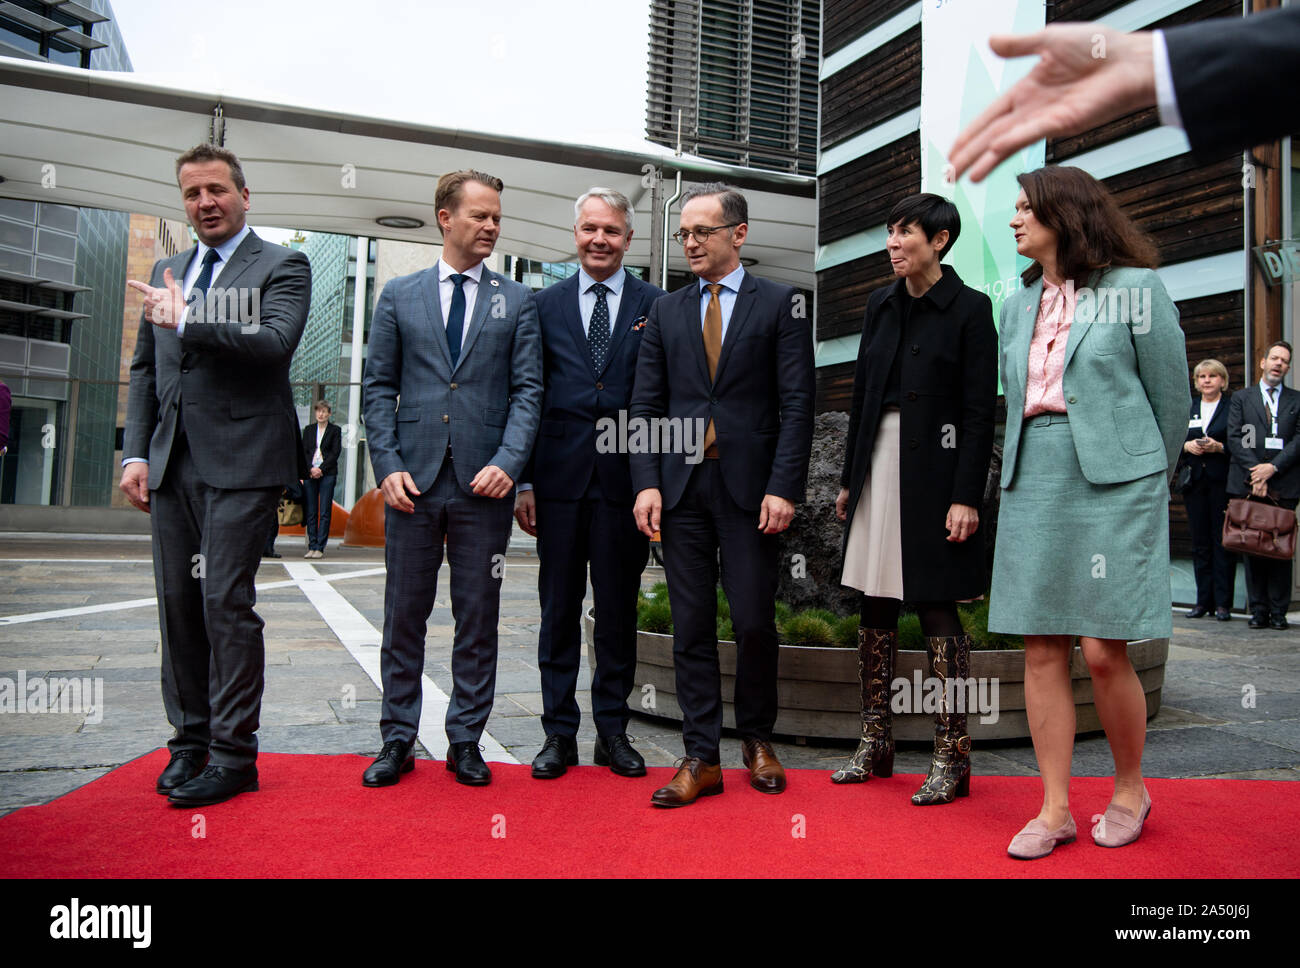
(1036, 840)
(1118, 826)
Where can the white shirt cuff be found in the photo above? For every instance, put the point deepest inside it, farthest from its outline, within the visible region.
(520, 488)
(133, 460)
(1166, 98)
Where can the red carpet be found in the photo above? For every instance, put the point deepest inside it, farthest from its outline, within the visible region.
(312, 818)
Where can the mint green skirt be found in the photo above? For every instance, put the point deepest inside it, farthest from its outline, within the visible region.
(1075, 558)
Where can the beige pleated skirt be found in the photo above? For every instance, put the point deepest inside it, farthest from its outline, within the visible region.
(873, 556)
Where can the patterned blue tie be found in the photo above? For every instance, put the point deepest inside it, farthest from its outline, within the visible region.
(598, 328)
(456, 318)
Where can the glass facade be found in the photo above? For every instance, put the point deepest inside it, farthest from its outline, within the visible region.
(62, 285)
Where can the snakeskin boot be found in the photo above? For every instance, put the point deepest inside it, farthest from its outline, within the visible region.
(950, 766)
(877, 649)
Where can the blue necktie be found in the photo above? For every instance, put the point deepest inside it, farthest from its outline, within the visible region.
(456, 318)
(598, 328)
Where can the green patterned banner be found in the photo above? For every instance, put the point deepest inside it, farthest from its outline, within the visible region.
(960, 77)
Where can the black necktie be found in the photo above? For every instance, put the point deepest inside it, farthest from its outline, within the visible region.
(201, 284)
(456, 318)
(598, 327)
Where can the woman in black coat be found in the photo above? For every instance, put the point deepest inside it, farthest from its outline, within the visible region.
(915, 466)
(1205, 494)
(322, 443)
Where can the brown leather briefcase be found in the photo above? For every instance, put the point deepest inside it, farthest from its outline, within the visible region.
(1255, 528)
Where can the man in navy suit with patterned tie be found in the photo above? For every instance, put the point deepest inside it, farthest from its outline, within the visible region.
(576, 494)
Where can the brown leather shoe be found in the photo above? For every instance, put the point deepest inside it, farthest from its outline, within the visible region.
(765, 771)
(694, 778)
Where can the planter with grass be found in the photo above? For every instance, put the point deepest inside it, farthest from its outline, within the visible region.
(818, 691)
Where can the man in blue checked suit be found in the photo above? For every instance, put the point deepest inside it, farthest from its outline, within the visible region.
(576, 496)
(452, 397)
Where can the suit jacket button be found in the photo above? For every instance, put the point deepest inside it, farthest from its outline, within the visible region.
(453, 386)
(915, 349)
(185, 369)
(1072, 400)
(446, 419)
(600, 386)
(912, 444)
(911, 394)
(713, 399)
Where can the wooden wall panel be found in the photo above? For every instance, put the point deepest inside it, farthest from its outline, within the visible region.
(1191, 209)
(858, 196)
(873, 89)
(835, 387)
(844, 21)
(843, 290)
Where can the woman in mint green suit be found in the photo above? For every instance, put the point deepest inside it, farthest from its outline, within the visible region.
(1095, 375)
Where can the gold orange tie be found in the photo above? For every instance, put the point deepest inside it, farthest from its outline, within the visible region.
(712, 350)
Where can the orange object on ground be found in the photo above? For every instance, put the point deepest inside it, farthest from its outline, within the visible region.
(366, 522)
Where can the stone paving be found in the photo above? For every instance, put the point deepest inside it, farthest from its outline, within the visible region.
(319, 700)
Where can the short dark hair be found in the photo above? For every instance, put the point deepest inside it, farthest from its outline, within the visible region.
(322, 403)
(1282, 343)
(200, 154)
(933, 213)
(451, 185)
(734, 207)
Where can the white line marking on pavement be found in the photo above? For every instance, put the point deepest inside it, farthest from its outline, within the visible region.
(362, 640)
(142, 602)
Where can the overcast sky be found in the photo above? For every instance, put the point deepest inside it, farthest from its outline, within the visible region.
(512, 67)
(505, 66)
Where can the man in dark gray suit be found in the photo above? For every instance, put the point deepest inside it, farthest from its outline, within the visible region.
(1264, 446)
(452, 399)
(211, 437)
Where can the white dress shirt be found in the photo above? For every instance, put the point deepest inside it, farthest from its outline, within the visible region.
(1166, 99)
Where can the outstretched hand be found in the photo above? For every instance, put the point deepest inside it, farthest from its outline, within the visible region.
(164, 305)
(1086, 75)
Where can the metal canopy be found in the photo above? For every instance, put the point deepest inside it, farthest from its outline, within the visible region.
(109, 140)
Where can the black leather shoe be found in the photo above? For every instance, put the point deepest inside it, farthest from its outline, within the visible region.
(1223, 615)
(272, 554)
(1278, 622)
(1257, 622)
(185, 765)
(216, 784)
(467, 762)
(394, 759)
(1200, 611)
(619, 755)
(557, 755)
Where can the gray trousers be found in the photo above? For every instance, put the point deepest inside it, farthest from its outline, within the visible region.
(207, 544)
(476, 531)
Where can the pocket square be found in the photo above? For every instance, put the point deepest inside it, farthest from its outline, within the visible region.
(638, 324)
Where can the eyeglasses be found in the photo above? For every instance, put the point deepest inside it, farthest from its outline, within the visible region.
(701, 233)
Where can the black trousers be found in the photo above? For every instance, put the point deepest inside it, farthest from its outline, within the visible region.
(707, 525)
(1215, 568)
(207, 544)
(569, 535)
(1268, 581)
